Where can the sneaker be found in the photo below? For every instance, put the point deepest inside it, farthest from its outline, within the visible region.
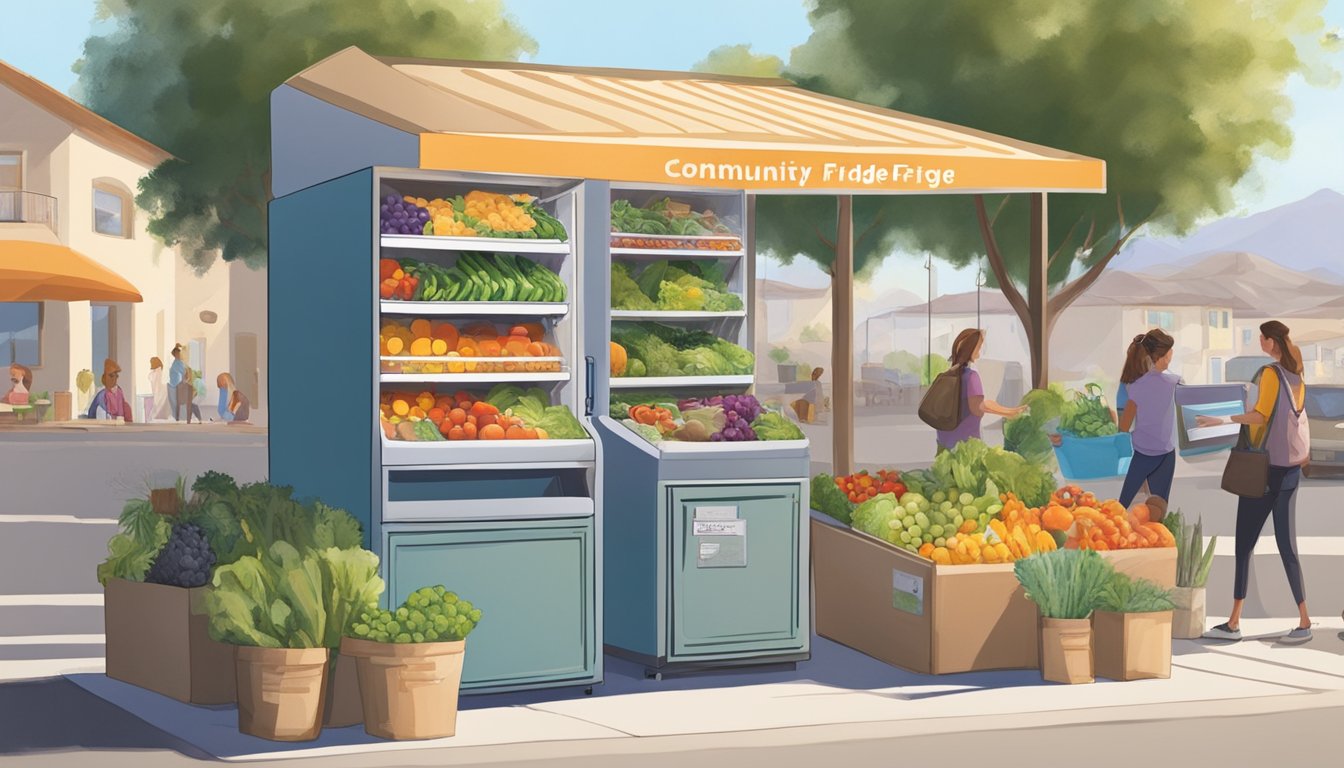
(1300, 633)
(1223, 632)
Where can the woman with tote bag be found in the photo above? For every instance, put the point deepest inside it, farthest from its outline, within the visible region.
(972, 404)
(1278, 425)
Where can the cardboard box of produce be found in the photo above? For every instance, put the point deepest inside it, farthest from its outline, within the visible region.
(912, 613)
(1157, 565)
(158, 638)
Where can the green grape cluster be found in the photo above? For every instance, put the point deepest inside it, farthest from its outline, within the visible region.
(913, 520)
(429, 615)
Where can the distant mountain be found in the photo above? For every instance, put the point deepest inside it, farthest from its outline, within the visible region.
(1303, 236)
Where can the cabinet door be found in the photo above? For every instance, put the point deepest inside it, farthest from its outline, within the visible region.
(533, 583)
(735, 569)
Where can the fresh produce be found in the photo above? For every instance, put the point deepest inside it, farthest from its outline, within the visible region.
(625, 292)
(1105, 525)
(524, 415)
(185, 560)
(478, 347)
(1123, 594)
(739, 412)
(475, 277)
(827, 498)
(618, 359)
(773, 425)
(665, 217)
(666, 351)
(913, 521)
(285, 597)
(482, 214)
(1064, 584)
(971, 465)
(429, 615)
(1087, 415)
(1193, 558)
(242, 521)
(862, 486)
(402, 216)
(686, 286)
(660, 418)
(1026, 434)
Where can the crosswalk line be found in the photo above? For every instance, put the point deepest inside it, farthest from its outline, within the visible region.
(89, 598)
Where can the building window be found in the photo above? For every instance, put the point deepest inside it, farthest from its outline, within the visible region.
(11, 170)
(1246, 337)
(1165, 320)
(1213, 319)
(104, 327)
(21, 334)
(1227, 320)
(111, 211)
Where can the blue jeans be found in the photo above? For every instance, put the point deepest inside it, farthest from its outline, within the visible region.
(1251, 516)
(1159, 471)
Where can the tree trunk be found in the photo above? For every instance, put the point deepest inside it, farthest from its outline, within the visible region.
(1038, 293)
(842, 340)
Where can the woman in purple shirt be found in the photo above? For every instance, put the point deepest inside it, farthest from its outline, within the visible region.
(974, 404)
(1149, 414)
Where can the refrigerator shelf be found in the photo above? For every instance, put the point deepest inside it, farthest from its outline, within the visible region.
(656, 314)
(515, 453)
(661, 382)
(473, 308)
(472, 378)
(456, 366)
(658, 254)
(486, 244)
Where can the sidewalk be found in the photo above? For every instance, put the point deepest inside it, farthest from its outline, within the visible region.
(829, 697)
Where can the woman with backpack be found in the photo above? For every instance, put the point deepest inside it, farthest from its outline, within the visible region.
(974, 405)
(1277, 424)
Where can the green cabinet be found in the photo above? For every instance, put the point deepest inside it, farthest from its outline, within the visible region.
(532, 580)
(735, 582)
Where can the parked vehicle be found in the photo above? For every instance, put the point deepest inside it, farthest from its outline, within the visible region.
(1325, 414)
(1244, 368)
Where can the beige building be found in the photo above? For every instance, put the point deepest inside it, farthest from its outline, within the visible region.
(68, 179)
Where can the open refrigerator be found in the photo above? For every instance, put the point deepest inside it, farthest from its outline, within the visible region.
(706, 541)
(413, 372)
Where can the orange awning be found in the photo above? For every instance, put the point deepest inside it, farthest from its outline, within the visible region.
(33, 271)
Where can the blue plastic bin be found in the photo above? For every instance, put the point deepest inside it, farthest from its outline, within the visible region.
(1093, 458)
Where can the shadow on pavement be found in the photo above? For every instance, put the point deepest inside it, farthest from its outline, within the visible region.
(56, 715)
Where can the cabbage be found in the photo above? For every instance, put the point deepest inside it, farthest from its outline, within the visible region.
(625, 292)
(678, 298)
(646, 431)
(776, 426)
(703, 361)
(874, 517)
(740, 360)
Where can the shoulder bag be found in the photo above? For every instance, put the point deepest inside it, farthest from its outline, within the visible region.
(1247, 470)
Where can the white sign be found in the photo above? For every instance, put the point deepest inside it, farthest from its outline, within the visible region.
(716, 513)
(719, 528)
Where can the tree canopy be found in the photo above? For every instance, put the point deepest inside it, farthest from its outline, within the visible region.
(195, 78)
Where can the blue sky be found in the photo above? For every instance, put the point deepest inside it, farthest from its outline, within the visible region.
(45, 37)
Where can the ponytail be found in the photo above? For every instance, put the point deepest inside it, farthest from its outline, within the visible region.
(1290, 357)
(1144, 350)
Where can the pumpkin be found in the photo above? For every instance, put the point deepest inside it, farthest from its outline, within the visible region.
(618, 359)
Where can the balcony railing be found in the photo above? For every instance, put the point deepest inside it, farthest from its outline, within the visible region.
(31, 207)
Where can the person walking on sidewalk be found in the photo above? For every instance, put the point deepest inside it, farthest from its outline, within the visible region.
(1149, 414)
(1278, 424)
(176, 372)
(966, 350)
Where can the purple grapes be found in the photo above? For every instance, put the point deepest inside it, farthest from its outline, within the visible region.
(739, 412)
(398, 217)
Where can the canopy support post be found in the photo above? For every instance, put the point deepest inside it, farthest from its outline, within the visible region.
(1038, 292)
(842, 341)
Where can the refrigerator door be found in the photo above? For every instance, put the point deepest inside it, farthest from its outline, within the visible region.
(736, 552)
(532, 580)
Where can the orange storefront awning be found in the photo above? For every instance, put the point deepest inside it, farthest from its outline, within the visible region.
(36, 271)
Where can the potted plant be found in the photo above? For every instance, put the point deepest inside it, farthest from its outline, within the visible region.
(787, 371)
(410, 664)
(155, 580)
(1131, 630)
(1065, 585)
(284, 610)
(1193, 560)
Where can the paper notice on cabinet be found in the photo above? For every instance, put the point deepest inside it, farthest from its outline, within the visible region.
(907, 592)
(708, 550)
(719, 528)
(716, 513)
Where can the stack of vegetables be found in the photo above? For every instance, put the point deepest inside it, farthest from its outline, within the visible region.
(662, 224)
(475, 277)
(721, 418)
(480, 346)
(686, 286)
(507, 413)
(1087, 415)
(653, 349)
(1080, 414)
(478, 214)
(1107, 525)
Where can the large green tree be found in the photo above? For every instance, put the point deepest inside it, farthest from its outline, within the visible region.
(1177, 97)
(195, 78)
